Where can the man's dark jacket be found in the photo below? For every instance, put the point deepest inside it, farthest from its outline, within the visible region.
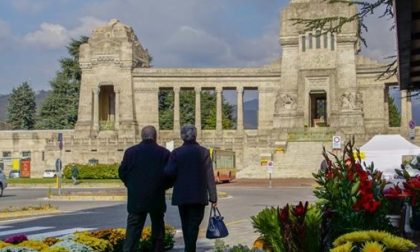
(191, 170)
(142, 173)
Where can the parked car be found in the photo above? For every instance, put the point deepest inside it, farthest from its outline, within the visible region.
(3, 182)
(14, 174)
(49, 174)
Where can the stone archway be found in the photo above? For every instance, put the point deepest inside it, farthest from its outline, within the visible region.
(106, 107)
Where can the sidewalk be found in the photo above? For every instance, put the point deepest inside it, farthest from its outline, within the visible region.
(240, 231)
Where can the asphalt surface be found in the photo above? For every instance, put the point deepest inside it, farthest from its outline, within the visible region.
(243, 201)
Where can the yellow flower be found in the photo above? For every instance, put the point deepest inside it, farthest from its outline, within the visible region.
(397, 243)
(346, 247)
(377, 235)
(357, 153)
(357, 236)
(259, 244)
(55, 249)
(372, 247)
(37, 245)
(4, 244)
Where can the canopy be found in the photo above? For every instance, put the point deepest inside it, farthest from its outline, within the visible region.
(386, 152)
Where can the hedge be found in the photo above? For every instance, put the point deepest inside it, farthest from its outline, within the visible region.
(99, 171)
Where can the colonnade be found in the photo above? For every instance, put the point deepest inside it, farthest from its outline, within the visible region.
(219, 108)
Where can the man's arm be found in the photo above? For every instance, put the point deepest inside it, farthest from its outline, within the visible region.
(123, 169)
(170, 171)
(211, 184)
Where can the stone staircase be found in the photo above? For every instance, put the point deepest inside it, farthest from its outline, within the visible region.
(300, 160)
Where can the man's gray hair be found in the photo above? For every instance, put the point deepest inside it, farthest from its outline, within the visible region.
(188, 133)
(148, 133)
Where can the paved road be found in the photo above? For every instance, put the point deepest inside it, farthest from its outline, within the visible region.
(242, 203)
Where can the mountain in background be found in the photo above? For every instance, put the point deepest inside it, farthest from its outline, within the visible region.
(4, 102)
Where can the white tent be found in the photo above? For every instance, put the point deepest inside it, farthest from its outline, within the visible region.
(386, 151)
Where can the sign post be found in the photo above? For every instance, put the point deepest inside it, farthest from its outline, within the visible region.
(58, 163)
(411, 129)
(270, 166)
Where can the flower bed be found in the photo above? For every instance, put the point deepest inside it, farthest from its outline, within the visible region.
(106, 240)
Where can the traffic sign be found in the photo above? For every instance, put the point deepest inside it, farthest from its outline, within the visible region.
(412, 124)
(270, 166)
(336, 142)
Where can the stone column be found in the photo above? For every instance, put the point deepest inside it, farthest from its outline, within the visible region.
(117, 108)
(96, 108)
(176, 110)
(219, 111)
(239, 107)
(198, 108)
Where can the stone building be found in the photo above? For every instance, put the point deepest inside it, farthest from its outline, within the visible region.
(319, 88)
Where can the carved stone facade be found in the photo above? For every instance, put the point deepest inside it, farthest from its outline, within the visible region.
(319, 88)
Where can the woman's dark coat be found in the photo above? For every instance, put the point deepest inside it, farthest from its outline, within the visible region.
(191, 170)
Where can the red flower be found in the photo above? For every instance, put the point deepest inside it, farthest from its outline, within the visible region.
(371, 205)
(300, 210)
(284, 213)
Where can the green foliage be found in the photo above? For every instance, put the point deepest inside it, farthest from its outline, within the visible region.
(266, 223)
(394, 115)
(60, 108)
(166, 109)
(99, 171)
(22, 107)
(187, 110)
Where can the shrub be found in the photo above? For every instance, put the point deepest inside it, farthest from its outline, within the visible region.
(99, 171)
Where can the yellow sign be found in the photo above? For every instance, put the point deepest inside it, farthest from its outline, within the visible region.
(15, 164)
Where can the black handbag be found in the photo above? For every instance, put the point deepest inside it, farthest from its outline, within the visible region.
(216, 228)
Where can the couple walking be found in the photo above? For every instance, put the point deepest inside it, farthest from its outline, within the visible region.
(148, 169)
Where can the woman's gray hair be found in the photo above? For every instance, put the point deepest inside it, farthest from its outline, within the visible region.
(148, 133)
(188, 133)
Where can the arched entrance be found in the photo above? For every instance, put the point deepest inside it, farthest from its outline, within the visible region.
(106, 107)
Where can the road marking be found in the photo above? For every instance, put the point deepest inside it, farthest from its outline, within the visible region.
(23, 230)
(4, 227)
(58, 233)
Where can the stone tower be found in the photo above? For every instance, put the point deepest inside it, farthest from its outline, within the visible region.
(106, 105)
(318, 80)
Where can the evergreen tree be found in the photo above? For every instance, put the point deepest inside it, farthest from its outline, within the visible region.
(394, 114)
(22, 107)
(59, 110)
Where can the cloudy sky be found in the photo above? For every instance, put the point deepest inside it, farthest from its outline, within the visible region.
(178, 33)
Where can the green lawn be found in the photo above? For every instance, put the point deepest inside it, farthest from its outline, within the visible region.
(53, 181)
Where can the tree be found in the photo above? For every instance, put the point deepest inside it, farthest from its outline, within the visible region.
(59, 110)
(22, 107)
(394, 115)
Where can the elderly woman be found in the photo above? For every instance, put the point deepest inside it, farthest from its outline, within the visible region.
(191, 171)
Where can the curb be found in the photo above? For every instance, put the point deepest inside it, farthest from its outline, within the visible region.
(88, 198)
(108, 197)
(30, 213)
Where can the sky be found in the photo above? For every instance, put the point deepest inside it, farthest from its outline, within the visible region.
(177, 33)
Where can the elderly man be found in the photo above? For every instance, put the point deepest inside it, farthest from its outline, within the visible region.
(191, 171)
(141, 171)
